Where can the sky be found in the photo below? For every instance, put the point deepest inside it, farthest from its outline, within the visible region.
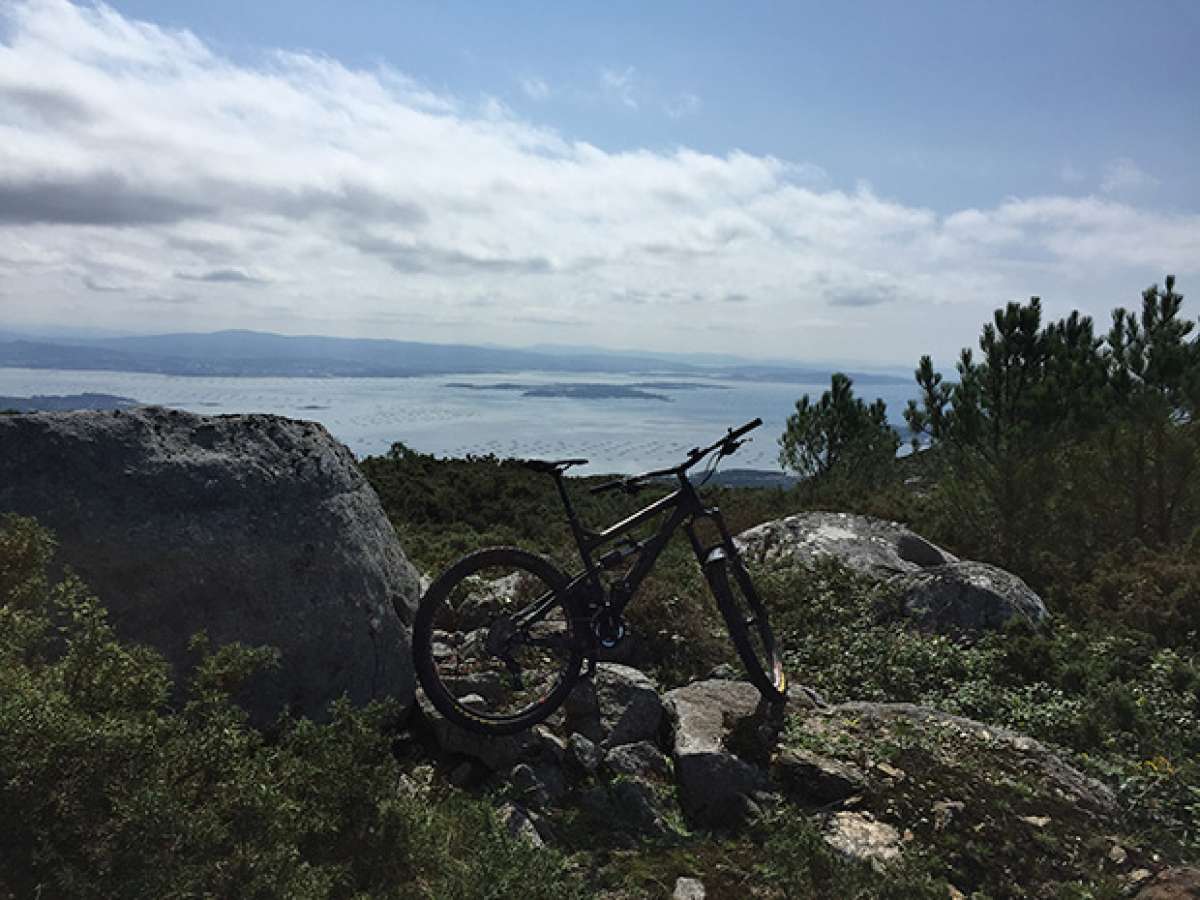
(860, 181)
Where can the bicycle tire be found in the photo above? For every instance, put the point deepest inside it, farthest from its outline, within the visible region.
(749, 624)
(434, 682)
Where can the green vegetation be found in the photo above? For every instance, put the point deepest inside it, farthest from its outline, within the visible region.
(443, 508)
(1069, 458)
(839, 437)
(1091, 445)
(1120, 703)
(109, 792)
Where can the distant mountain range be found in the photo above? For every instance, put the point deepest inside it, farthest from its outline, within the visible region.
(262, 354)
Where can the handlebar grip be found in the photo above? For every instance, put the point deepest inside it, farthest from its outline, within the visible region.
(736, 433)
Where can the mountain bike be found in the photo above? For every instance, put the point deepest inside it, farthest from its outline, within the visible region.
(503, 635)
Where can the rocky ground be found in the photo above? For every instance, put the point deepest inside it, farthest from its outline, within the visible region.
(626, 774)
(263, 530)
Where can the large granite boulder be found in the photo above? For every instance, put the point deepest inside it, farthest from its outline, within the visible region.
(966, 598)
(252, 528)
(869, 546)
(936, 590)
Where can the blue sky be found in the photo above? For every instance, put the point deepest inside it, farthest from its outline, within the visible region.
(854, 181)
(945, 104)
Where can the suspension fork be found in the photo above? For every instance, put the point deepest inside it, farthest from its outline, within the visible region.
(716, 554)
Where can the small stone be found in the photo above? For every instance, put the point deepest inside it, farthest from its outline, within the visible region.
(526, 783)
(519, 825)
(816, 779)
(1117, 855)
(688, 889)
(1137, 876)
(891, 771)
(538, 785)
(640, 758)
(945, 812)
(860, 836)
(583, 754)
(1036, 821)
(554, 748)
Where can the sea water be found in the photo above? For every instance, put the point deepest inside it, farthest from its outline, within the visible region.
(621, 435)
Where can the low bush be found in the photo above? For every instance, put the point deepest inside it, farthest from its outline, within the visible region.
(1125, 704)
(110, 792)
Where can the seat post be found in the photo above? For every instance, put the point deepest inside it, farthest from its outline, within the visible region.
(577, 529)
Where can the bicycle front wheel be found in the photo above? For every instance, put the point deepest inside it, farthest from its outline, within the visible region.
(749, 626)
(494, 641)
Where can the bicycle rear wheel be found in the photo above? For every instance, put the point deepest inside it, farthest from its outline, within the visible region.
(494, 641)
(748, 623)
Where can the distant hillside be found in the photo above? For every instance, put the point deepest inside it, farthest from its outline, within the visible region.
(64, 403)
(253, 353)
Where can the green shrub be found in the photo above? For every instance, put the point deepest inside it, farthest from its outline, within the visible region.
(109, 792)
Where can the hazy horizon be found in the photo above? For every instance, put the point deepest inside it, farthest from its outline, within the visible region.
(849, 187)
(50, 333)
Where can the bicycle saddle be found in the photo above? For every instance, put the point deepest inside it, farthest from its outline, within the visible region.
(552, 465)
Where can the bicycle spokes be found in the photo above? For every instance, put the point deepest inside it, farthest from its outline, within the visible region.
(502, 641)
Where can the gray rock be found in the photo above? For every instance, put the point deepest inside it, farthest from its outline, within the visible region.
(716, 787)
(553, 747)
(937, 591)
(538, 785)
(519, 825)
(869, 546)
(860, 836)
(253, 528)
(945, 812)
(641, 758)
(499, 754)
(1180, 883)
(688, 889)
(627, 805)
(1062, 779)
(583, 754)
(816, 779)
(967, 598)
(619, 706)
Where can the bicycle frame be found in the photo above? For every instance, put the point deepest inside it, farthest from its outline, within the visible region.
(686, 507)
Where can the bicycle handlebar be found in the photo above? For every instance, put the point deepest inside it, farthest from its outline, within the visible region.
(729, 443)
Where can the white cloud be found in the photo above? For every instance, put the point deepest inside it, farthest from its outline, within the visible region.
(301, 195)
(620, 85)
(1124, 176)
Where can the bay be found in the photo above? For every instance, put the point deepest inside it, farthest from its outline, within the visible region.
(618, 434)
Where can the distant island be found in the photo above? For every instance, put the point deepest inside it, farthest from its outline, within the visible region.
(65, 403)
(644, 390)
